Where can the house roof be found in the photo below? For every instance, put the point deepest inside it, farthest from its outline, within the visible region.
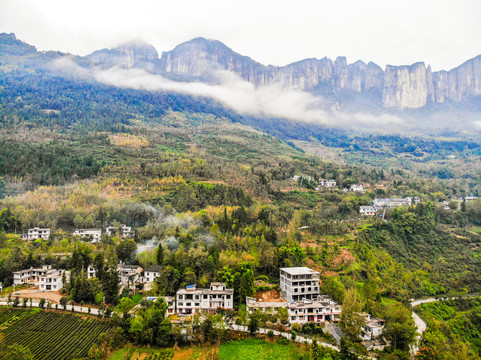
(299, 271)
(153, 268)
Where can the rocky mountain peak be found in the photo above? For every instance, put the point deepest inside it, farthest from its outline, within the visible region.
(135, 53)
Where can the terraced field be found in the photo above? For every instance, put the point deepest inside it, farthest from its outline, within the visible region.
(51, 335)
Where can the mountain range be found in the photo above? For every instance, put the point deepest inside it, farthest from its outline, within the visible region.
(397, 87)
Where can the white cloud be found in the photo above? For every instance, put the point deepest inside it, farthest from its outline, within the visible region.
(232, 91)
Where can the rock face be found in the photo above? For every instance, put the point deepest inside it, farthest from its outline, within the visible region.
(200, 57)
(128, 55)
(406, 86)
(398, 87)
(459, 83)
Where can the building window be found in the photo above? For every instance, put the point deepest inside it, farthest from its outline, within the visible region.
(227, 297)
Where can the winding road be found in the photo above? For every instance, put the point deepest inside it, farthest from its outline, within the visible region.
(420, 324)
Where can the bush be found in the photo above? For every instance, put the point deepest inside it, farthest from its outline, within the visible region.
(263, 278)
(283, 341)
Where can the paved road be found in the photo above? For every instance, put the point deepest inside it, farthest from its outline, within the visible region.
(420, 324)
(80, 309)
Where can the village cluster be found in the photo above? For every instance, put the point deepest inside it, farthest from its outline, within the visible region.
(300, 295)
(93, 234)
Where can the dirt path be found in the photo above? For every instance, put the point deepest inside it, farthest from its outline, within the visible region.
(52, 296)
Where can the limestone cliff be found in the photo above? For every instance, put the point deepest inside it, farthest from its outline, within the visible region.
(405, 86)
(128, 55)
(200, 57)
(398, 87)
(459, 83)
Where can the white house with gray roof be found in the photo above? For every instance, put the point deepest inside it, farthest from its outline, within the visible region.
(192, 300)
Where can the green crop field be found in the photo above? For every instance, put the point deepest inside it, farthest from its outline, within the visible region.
(258, 350)
(51, 335)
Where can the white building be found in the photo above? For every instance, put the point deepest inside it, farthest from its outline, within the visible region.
(129, 274)
(367, 210)
(46, 278)
(52, 280)
(301, 297)
(299, 283)
(38, 233)
(191, 300)
(151, 272)
(91, 272)
(394, 202)
(94, 234)
(356, 188)
(318, 310)
(124, 230)
(373, 328)
(328, 184)
(30, 276)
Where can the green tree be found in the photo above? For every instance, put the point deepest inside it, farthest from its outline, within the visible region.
(160, 254)
(125, 250)
(254, 322)
(63, 302)
(246, 286)
(168, 281)
(99, 265)
(110, 285)
(283, 315)
(400, 328)
(351, 320)
(136, 328)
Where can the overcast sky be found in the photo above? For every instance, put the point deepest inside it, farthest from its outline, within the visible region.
(442, 33)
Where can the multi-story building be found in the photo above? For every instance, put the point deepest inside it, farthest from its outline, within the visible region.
(356, 188)
(373, 327)
(93, 234)
(129, 274)
(329, 184)
(301, 297)
(299, 283)
(124, 230)
(394, 202)
(30, 276)
(321, 309)
(192, 300)
(91, 272)
(151, 272)
(38, 233)
(367, 210)
(53, 280)
(45, 277)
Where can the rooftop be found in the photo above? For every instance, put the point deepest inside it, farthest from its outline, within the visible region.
(153, 268)
(299, 271)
